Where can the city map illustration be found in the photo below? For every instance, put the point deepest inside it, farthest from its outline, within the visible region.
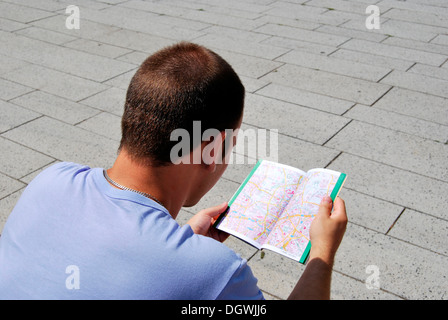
(274, 207)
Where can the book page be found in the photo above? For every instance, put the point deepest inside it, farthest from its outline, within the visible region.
(259, 202)
(291, 233)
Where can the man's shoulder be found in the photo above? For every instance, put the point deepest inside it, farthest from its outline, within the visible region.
(59, 170)
(64, 167)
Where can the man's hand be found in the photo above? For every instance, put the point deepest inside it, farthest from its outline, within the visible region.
(327, 229)
(202, 223)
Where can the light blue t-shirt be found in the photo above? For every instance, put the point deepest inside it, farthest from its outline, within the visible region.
(74, 236)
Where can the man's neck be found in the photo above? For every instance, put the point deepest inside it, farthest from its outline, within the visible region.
(162, 183)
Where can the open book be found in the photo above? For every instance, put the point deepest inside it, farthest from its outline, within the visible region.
(275, 205)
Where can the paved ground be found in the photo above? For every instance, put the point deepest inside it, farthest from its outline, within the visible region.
(371, 103)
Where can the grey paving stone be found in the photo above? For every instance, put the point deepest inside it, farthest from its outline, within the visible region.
(303, 123)
(104, 124)
(97, 48)
(221, 19)
(6, 206)
(276, 274)
(440, 39)
(405, 270)
(418, 17)
(238, 34)
(171, 9)
(401, 150)
(335, 65)
(248, 6)
(121, 81)
(111, 100)
(45, 35)
(88, 29)
(48, 5)
(306, 98)
(401, 187)
(21, 13)
(135, 57)
(430, 71)
(300, 45)
(97, 5)
(55, 107)
(248, 66)
(426, 47)
(370, 212)
(344, 287)
(415, 104)
(9, 185)
(395, 121)
(306, 16)
(10, 25)
(393, 51)
(134, 40)
(422, 230)
(65, 142)
(54, 82)
(250, 48)
(10, 90)
(180, 22)
(423, 6)
(141, 21)
(275, 147)
(417, 82)
(67, 60)
(340, 5)
(326, 83)
(352, 33)
(18, 161)
(294, 10)
(373, 59)
(401, 29)
(13, 116)
(251, 85)
(8, 64)
(302, 34)
(296, 23)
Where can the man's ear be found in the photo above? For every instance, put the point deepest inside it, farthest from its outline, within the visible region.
(212, 148)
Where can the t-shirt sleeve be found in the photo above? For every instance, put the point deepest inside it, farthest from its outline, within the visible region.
(242, 285)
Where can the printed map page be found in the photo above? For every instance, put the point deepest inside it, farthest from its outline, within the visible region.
(291, 233)
(259, 202)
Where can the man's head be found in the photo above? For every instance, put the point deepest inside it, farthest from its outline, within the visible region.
(173, 88)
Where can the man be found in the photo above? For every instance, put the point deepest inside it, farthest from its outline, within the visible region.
(82, 233)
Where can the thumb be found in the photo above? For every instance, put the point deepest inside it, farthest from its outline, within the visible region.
(214, 211)
(325, 206)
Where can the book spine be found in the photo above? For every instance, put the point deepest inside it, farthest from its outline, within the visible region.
(338, 186)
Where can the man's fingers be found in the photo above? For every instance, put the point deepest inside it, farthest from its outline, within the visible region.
(214, 211)
(339, 209)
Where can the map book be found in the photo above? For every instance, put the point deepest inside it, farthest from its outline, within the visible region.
(275, 205)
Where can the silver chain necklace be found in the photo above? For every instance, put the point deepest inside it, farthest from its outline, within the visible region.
(119, 186)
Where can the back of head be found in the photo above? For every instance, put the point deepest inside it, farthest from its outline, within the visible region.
(173, 88)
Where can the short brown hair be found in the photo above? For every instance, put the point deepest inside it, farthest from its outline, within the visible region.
(172, 88)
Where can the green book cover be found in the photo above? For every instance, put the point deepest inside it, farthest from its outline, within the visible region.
(275, 205)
